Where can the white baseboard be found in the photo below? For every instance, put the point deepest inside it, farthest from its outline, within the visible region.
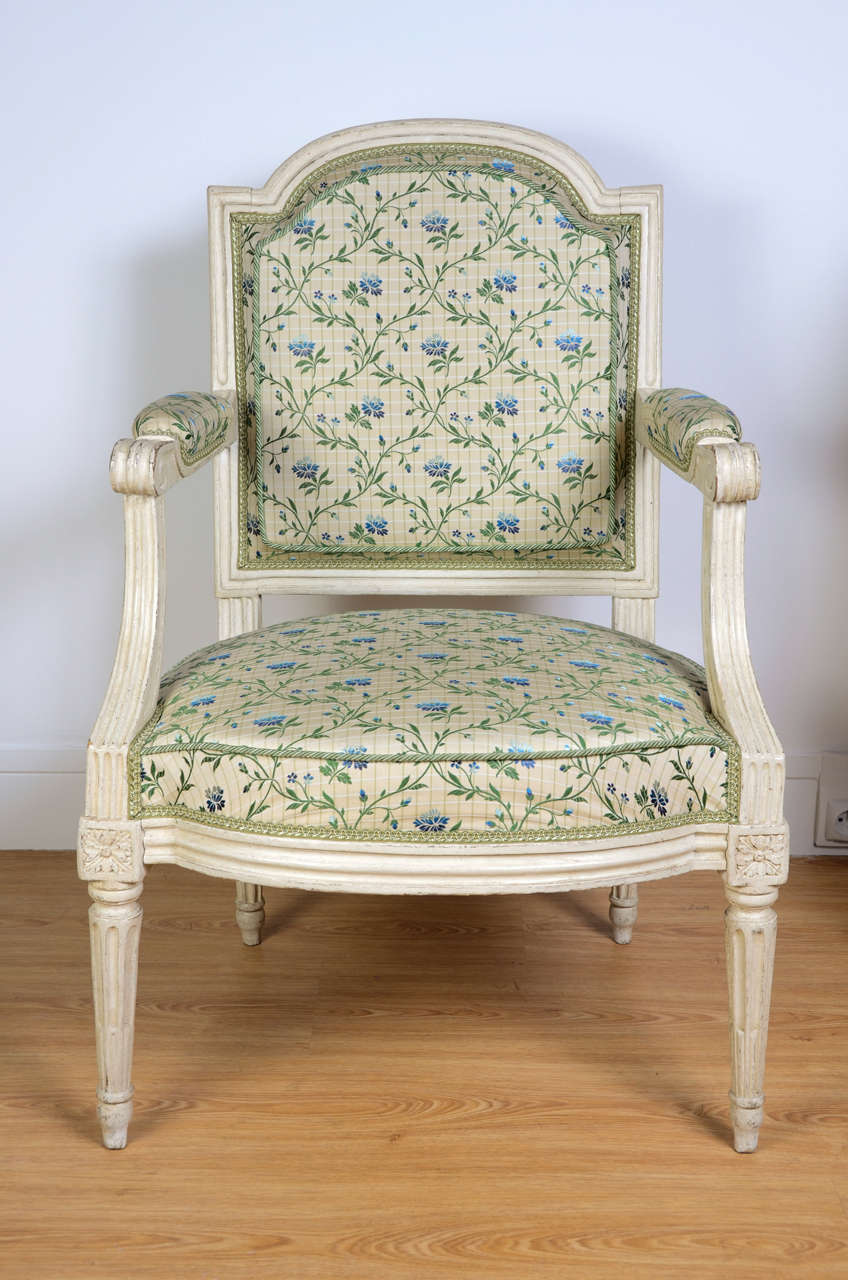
(42, 788)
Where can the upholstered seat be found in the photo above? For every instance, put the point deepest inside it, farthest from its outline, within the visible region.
(423, 723)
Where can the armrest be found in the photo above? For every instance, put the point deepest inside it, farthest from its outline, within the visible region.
(700, 439)
(172, 437)
(671, 422)
(200, 422)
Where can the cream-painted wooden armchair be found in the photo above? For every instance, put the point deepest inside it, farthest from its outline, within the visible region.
(435, 369)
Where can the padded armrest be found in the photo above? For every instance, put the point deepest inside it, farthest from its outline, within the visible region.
(672, 422)
(198, 421)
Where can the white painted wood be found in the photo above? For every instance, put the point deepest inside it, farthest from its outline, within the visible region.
(250, 912)
(636, 616)
(110, 849)
(624, 907)
(115, 928)
(237, 614)
(432, 582)
(753, 853)
(750, 932)
(371, 866)
(734, 694)
(134, 685)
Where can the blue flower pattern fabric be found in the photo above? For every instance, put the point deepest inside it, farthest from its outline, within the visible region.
(676, 419)
(197, 420)
(424, 724)
(436, 358)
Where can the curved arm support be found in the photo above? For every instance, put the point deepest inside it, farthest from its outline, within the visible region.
(734, 693)
(134, 684)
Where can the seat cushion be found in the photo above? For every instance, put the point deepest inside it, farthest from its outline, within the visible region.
(424, 724)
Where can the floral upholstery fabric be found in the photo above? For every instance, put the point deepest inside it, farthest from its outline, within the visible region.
(432, 724)
(197, 420)
(437, 357)
(676, 419)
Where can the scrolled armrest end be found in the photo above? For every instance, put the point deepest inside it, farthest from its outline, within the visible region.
(146, 466)
(727, 470)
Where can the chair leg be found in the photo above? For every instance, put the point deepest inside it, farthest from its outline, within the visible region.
(750, 932)
(624, 908)
(250, 912)
(115, 928)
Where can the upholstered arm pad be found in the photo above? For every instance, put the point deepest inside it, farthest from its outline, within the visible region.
(199, 421)
(671, 422)
(173, 436)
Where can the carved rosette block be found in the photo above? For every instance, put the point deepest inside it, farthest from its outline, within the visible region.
(758, 855)
(250, 912)
(750, 934)
(110, 850)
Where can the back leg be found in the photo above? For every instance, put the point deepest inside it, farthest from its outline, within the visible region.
(624, 907)
(250, 912)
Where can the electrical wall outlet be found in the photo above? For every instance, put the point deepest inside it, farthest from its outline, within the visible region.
(836, 820)
(832, 804)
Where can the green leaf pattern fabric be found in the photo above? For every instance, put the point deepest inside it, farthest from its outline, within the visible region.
(436, 360)
(676, 419)
(442, 725)
(197, 420)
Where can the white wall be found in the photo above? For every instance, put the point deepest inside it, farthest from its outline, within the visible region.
(119, 116)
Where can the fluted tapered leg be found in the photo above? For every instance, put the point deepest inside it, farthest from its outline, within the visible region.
(115, 928)
(250, 912)
(750, 931)
(624, 907)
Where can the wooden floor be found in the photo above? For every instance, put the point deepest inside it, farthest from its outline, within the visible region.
(402, 1087)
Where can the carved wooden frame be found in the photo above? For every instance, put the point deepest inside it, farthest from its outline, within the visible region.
(752, 854)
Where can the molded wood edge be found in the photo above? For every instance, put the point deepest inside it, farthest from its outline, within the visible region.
(360, 866)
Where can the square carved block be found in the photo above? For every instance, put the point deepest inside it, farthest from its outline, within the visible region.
(758, 855)
(110, 850)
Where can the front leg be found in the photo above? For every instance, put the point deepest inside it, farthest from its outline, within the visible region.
(750, 932)
(115, 928)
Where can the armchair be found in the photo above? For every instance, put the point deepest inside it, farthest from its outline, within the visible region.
(435, 361)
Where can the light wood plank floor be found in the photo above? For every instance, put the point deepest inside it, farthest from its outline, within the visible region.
(401, 1087)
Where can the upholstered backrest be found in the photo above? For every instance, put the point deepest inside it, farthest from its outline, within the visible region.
(435, 350)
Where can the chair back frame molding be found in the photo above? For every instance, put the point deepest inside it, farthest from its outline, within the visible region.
(642, 580)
